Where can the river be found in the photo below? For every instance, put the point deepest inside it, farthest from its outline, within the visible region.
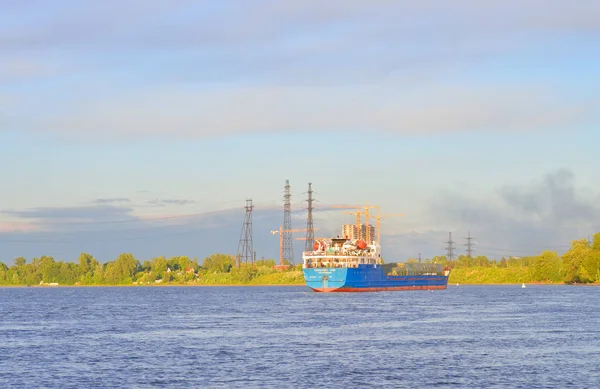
(289, 337)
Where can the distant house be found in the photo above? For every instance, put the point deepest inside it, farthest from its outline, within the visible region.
(49, 284)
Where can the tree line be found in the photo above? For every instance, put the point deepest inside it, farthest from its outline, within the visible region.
(580, 264)
(127, 270)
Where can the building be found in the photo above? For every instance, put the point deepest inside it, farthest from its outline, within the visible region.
(350, 231)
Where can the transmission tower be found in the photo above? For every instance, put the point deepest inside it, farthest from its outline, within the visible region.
(469, 245)
(450, 247)
(288, 250)
(310, 231)
(245, 251)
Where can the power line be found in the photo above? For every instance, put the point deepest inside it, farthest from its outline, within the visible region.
(310, 232)
(288, 250)
(499, 249)
(245, 251)
(469, 245)
(450, 247)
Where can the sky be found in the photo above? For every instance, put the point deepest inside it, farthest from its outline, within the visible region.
(143, 126)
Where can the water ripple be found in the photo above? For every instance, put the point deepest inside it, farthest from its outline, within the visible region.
(287, 337)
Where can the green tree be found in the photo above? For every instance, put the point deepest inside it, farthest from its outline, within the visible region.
(244, 273)
(159, 267)
(173, 263)
(112, 274)
(67, 273)
(589, 270)
(127, 267)
(85, 263)
(98, 276)
(441, 259)
(481, 260)
(265, 262)
(20, 261)
(48, 269)
(3, 272)
(596, 242)
(184, 263)
(147, 266)
(218, 263)
(30, 273)
(546, 267)
(573, 259)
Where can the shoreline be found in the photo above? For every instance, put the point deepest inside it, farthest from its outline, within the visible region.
(266, 285)
(145, 286)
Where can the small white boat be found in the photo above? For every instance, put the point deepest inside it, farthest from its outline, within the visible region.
(523, 286)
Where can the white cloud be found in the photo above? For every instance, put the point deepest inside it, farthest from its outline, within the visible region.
(313, 65)
(18, 227)
(390, 109)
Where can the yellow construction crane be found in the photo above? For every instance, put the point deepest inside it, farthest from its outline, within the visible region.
(280, 232)
(357, 214)
(378, 218)
(365, 212)
(316, 238)
(367, 232)
(354, 213)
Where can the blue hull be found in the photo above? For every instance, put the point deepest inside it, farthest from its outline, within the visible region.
(368, 278)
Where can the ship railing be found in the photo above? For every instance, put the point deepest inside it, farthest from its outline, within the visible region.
(338, 261)
(335, 254)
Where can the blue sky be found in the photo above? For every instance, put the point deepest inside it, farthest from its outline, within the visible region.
(124, 126)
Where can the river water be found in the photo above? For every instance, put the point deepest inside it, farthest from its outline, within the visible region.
(290, 337)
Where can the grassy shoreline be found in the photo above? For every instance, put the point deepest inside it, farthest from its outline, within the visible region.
(140, 285)
(269, 285)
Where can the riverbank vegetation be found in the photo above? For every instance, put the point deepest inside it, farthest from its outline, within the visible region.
(217, 269)
(580, 264)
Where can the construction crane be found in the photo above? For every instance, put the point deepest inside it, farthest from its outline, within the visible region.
(367, 232)
(280, 232)
(316, 238)
(357, 214)
(354, 213)
(378, 218)
(366, 213)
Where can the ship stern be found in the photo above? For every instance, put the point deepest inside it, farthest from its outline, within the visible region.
(325, 279)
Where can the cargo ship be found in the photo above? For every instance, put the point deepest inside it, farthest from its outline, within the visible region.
(353, 265)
